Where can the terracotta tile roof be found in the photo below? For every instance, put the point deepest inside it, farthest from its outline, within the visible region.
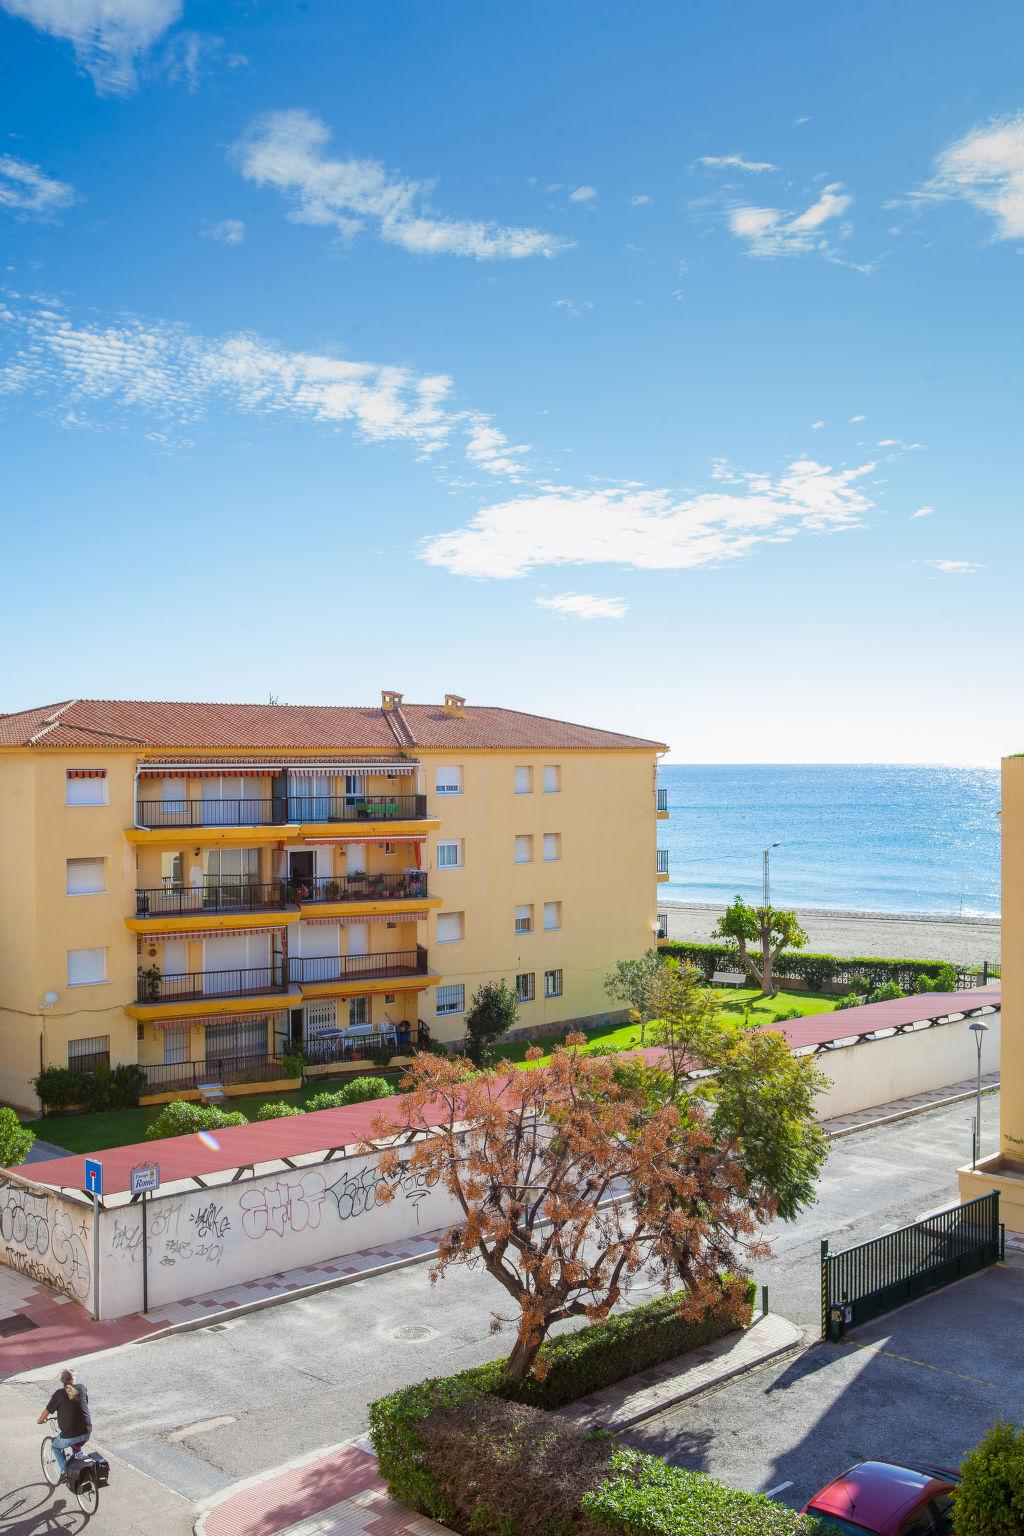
(299, 727)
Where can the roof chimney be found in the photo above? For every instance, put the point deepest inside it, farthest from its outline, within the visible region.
(454, 705)
(389, 699)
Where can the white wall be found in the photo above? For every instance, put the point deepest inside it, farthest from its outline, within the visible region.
(46, 1237)
(202, 1240)
(877, 1071)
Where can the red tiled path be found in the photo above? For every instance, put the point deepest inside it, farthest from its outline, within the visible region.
(281, 1500)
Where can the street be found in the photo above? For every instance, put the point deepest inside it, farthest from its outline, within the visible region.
(196, 1411)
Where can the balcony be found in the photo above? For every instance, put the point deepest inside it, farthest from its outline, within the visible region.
(662, 861)
(180, 1076)
(212, 897)
(206, 986)
(393, 887)
(662, 795)
(314, 970)
(280, 810)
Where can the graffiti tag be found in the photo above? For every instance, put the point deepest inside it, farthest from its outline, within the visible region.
(291, 1205)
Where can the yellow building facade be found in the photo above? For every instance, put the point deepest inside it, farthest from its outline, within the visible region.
(198, 889)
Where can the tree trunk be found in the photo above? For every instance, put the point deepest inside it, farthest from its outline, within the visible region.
(524, 1353)
(768, 986)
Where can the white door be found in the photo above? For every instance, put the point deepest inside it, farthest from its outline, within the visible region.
(309, 797)
(318, 946)
(355, 858)
(232, 958)
(175, 958)
(222, 799)
(175, 1046)
(320, 1017)
(356, 938)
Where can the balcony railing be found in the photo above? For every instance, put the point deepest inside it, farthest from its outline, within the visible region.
(393, 887)
(662, 861)
(662, 799)
(167, 1076)
(280, 810)
(319, 968)
(242, 981)
(355, 1045)
(212, 896)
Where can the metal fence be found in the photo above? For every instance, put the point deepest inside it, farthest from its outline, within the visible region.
(261, 810)
(859, 1283)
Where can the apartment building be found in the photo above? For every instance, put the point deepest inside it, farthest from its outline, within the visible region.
(196, 887)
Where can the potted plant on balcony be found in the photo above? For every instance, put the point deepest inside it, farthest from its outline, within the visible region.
(149, 983)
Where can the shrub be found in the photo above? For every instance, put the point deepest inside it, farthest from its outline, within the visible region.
(923, 983)
(787, 1013)
(292, 1063)
(885, 994)
(181, 1118)
(15, 1140)
(817, 970)
(381, 1055)
(276, 1110)
(990, 1500)
(851, 1000)
(62, 1088)
(644, 1497)
(59, 1088)
(323, 1100)
(362, 1089)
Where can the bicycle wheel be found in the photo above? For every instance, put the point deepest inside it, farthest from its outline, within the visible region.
(88, 1496)
(51, 1467)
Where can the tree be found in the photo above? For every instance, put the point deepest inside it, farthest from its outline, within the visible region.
(769, 930)
(15, 1140)
(990, 1500)
(630, 982)
(493, 1011)
(532, 1160)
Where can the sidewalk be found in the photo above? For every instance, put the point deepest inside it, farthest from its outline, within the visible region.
(917, 1103)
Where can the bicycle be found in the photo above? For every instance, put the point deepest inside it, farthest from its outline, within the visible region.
(85, 1474)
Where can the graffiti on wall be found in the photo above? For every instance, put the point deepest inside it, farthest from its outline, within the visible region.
(290, 1205)
(167, 1236)
(357, 1193)
(44, 1239)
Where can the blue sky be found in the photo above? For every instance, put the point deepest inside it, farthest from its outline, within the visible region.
(657, 367)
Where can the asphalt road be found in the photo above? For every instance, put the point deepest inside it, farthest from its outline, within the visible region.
(196, 1411)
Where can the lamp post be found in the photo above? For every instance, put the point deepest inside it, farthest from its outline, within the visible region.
(979, 1029)
(767, 856)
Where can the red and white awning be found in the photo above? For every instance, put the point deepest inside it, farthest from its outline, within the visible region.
(87, 773)
(335, 842)
(227, 1018)
(204, 773)
(372, 917)
(206, 933)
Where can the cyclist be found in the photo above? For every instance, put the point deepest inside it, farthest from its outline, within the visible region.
(71, 1405)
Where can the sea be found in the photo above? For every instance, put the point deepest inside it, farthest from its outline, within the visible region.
(861, 838)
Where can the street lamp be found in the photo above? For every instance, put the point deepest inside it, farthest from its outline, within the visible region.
(979, 1029)
(766, 856)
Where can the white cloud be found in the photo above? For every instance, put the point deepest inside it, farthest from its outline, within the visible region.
(584, 605)
(583, 195)
(771, 232)
(957, 567)
(858, 418)
(191, 55)
(288, 151)
(986, 169)
(488, 447)
(649, 529)
(888, 442)
(735, 162)
(109, 36)
(816, 426)
(923, 512)
(798, 122)
(640, 200)
(230, 231)
(28, 190)
(573, 307)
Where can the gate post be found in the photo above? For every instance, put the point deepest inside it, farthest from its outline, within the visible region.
(824, 1287)
(995, 1222)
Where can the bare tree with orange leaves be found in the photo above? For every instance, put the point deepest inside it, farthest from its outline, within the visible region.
(570, 1182)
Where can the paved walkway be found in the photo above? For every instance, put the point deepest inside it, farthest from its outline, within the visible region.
(46, 1151)
(842, 1125)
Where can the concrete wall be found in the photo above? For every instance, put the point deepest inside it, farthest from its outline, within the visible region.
(46, 1237)
(877, 1071)
(231, 1233)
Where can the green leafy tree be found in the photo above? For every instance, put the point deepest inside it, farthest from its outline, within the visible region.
(15, 1140)
(760, 935)
(990, 1500)
(493, 1011)
(631, 983)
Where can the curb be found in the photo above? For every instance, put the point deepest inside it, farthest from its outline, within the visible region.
(205, 1506)
(916, 1109)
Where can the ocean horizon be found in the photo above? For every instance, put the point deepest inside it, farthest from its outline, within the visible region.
(853, 837)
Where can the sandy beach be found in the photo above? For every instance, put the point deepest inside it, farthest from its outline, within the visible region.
(891, 936)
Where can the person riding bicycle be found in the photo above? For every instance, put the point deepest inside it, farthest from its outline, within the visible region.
(71, 1405)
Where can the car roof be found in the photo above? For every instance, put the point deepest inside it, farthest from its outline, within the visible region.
(876, 1494)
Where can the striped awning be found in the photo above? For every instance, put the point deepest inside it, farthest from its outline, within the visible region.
(197, 772)
(227, 1018)
(87, 773)
(206, 933)
(373, 917)
(334, 842)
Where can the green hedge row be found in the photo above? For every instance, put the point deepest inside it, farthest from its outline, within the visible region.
(62, 1088)
(642, 1496)
(820, 970)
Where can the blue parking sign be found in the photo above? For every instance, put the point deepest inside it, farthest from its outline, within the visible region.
(93, 1176)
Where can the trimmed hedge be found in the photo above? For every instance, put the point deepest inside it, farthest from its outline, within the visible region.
(644, 1497)
(359, 1091)
(818, 970)
(62, 1088)
(182, 1118)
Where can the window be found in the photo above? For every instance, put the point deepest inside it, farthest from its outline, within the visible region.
(358, 1011)
(175, 1046)
(86, 786)
(524, 919)
(552, 983)
(524, 781)
(552, 915)
(87, 1055)
(552, 846)
(86, 966)
(449, 927)
(448, 781)
(524, 850)
(524, 987)
(172, 868)
(86, 877)
(552, 779)
(226, 1040)
(449, 855)
(450, 1000)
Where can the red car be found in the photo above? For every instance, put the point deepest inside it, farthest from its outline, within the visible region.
(887, 1500)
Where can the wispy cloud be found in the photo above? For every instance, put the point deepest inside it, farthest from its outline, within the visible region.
(28, 191)
(582, 194)
(858, 418)
(640, 200)
(230, 231)
(650, 529)
(109, 36)
(735, 162)
(957, 567)
(574, 308)
(489, 448)
(190, 56)
(770, 232)
(585, 605)
(985, 167)
(923, 512)
(816, 426)
(288, 151)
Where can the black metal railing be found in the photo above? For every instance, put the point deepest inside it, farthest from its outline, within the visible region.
(347, 1045)
(95, 1061)
(212, 896)
(662, 799)
(238, 981)
(393, 887)
(859, 1283)
(166, 1076)
(320, 968)
(662, 861)
(280, 810)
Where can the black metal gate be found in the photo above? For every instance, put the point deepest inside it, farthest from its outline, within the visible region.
(859, 1283)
